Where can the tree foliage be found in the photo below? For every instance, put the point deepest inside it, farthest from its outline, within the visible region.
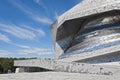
(7, 64)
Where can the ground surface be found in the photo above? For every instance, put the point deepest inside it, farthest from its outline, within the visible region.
(56, 76)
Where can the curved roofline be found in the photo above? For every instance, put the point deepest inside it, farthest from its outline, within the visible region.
(88, 8)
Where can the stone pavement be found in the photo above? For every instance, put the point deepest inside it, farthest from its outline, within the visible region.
(57, 76)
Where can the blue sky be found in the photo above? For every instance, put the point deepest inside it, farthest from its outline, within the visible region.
(24, 26)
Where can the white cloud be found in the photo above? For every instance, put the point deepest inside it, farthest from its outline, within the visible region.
(42, 19)
(39, 2)
(25, 52)
(56, 15)
(4, 53)
(21, 46)
(4, 38)
(21, 31)
(17, 31)
(41, 32)
(39, 51)
(38, 31)
(31, 13)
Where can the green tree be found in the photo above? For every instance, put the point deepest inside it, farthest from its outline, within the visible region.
(1, 69)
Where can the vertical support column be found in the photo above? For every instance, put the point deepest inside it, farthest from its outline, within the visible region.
(20, 70)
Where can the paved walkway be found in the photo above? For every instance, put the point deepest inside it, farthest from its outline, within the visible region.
(56, 76)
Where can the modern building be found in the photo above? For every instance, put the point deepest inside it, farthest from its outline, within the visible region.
(88, 33)
(85, 38)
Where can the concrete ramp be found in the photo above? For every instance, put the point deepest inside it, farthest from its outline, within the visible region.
(69, 66)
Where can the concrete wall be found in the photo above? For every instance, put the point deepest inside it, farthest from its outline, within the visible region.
(70, 67)
(113, 57)
(100, 55)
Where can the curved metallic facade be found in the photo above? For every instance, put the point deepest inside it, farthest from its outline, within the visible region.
(95, 34)
(88, 30)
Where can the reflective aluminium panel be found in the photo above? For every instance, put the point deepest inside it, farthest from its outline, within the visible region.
(96, 34)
